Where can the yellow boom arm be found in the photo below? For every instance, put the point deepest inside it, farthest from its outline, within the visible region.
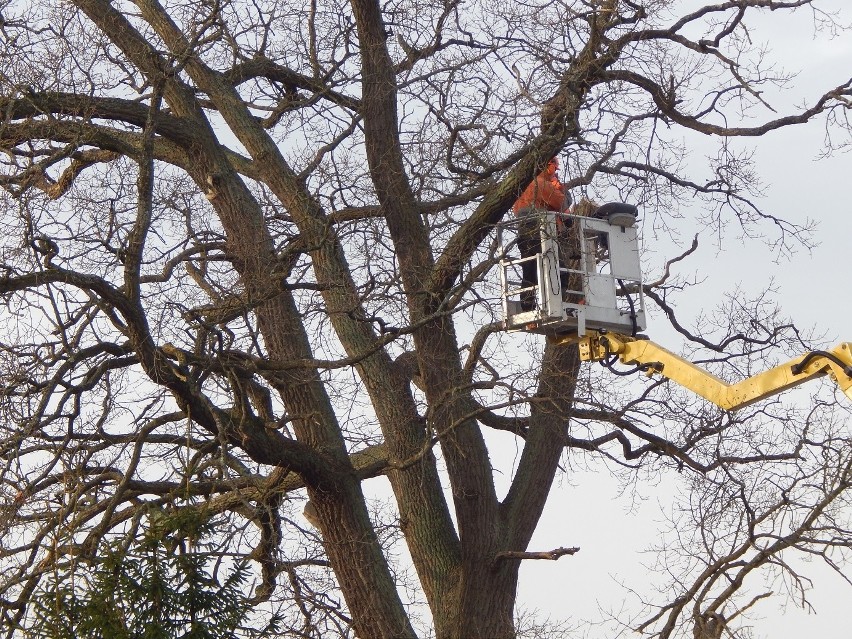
(837, 364)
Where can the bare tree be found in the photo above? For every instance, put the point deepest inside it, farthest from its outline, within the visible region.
(247, 251)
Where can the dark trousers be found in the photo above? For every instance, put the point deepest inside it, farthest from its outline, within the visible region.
(529, 244)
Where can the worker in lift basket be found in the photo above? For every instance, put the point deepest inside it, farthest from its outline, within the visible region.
(545, 193)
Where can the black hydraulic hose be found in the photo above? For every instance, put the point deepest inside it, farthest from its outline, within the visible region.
(557, 288)
(626, 373)
(798, 368)
(611, 358)
(635, 326)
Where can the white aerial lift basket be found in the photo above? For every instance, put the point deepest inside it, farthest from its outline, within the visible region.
(589, 275)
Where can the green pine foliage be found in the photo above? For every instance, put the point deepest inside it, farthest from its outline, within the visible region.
(167, 584)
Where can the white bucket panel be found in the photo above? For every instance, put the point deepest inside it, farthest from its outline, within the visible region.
(624, 253)
(600, 290)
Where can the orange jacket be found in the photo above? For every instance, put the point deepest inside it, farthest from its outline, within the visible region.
(544, 192)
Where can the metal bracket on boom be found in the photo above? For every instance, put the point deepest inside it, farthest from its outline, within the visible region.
(653, 358)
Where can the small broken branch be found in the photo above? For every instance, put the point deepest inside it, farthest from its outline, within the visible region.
(551, 555)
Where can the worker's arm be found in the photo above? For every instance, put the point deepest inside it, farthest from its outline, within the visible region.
(550, 194)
